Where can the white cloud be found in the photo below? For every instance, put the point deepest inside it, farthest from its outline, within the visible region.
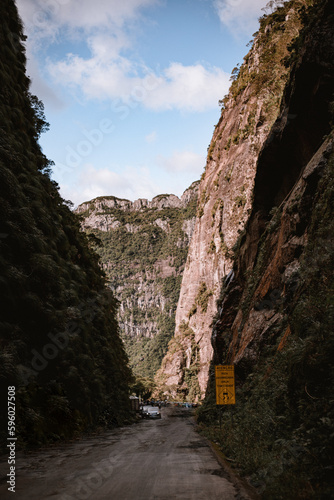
(191, 88)
(183, 161)
(131, 184)
(105, 24)
(240, 16)
(152, 137)
(107, 73)
(46, 18)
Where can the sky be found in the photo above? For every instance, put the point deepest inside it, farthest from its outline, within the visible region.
(131, 88)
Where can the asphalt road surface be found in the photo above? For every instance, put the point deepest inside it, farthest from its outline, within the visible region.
(152, 460)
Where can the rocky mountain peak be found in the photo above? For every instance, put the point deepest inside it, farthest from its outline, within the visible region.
(159, 202)
(97, 212)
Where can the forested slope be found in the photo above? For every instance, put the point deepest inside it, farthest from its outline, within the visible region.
(143, 251)
(60, 344)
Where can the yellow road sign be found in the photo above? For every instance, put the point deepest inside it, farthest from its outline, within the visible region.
(225, 385)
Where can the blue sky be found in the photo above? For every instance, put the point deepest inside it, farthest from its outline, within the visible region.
(131, 88)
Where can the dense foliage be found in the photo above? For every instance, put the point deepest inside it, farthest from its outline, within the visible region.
(60, 344)
(134, 255)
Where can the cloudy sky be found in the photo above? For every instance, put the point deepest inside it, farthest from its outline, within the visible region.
(131, 88)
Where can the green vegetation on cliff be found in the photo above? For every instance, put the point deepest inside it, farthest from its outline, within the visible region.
(60, 343)
(144, 255)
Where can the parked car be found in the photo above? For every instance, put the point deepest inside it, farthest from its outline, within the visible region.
(151, 412)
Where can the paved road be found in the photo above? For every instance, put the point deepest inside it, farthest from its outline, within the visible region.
(152, 460)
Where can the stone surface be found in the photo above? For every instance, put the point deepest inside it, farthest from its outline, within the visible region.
(224, 206)
(295, 156)
(144, 249)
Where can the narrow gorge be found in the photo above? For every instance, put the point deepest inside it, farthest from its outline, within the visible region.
(146, 297)
(143, 251)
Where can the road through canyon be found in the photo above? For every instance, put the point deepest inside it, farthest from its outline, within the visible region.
(154, 459)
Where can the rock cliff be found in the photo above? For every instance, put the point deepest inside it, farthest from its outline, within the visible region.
(275, 312)
(296, 155)
(143, 252)
(225, 198)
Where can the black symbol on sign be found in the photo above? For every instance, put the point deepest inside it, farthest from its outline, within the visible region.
(225, 397)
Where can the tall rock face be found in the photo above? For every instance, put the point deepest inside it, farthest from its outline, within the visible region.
(297, 154)
(225, 198)
(276, 310)
(144, 249)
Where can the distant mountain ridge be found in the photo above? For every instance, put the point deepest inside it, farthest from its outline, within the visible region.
(143, 252)
(159, 202)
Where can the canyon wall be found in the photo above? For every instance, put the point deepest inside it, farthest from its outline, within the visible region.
(61, 352)
(275, 314)
(143, 251)
(225, 199)
(297, 154)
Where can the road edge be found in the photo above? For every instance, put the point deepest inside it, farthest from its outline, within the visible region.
(244, 489)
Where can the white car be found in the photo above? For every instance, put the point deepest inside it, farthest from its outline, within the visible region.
(151, 412)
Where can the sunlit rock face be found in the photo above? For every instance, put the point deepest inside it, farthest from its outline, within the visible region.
(257, 304)
(225, 202)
